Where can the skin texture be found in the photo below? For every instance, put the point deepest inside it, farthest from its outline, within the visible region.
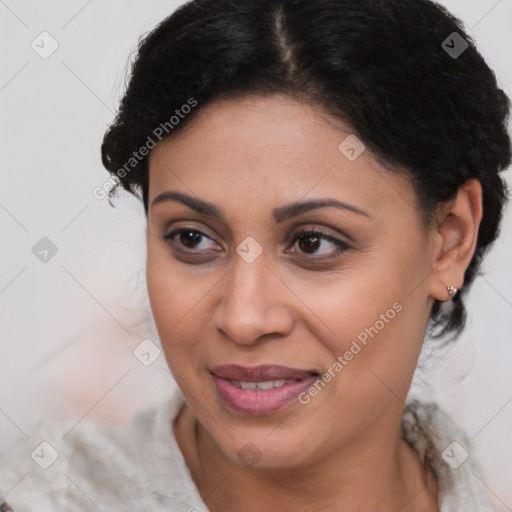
(297, 305)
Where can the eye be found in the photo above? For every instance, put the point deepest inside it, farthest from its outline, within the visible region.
(312, 243)
(317, 243)
(190, 240)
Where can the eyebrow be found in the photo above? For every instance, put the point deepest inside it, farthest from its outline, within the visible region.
(193, 203)
(280, 214)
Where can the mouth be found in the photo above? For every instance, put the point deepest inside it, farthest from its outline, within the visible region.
(262, 389)
(262, 373)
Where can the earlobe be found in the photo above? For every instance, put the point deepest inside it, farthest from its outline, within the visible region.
(455, 235)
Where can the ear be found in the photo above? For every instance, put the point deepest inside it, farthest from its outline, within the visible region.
(455, 235)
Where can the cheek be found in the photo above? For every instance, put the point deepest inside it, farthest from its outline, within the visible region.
(169, 296)
(368, 337)
(178, 302)
(369, 317)
(173, 291)
(162, 291)
(351, 305)
(169, 308)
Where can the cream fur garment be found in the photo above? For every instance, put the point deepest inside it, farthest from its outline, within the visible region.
(139, 467)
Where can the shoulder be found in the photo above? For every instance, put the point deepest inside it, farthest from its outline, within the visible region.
(4, 506)
(85, 464)
(59, 465)
(447, 450)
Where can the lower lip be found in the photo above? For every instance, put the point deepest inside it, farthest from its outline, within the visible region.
(260, 402)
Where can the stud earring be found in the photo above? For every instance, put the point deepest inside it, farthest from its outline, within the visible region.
(452, 291)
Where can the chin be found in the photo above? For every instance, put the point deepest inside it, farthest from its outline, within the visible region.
(264, 453)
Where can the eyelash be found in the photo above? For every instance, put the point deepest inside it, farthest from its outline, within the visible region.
(342, 247)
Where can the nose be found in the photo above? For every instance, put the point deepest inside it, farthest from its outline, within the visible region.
(254, 303)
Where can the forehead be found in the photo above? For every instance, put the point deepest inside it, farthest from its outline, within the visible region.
(260, 152)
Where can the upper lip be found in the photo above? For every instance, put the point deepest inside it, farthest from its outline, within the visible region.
(260, 373)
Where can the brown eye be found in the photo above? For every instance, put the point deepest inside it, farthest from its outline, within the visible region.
(313, 243)
(309, 243)
(190, 240)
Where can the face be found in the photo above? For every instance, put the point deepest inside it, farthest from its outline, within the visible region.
(332, 289)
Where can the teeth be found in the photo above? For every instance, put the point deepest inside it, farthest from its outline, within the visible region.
(248, 385)
(263, 386)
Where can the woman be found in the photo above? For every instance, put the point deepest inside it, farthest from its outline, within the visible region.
(320, 179)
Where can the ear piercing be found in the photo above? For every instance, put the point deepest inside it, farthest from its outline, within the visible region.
(452, 291)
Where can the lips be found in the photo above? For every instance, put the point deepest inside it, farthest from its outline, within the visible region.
(261, 373)
(262, 389)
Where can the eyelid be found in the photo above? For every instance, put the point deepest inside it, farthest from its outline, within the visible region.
(317, 231)
(188, 225)
(340, 236)
(186, 255)
(211, 227)
(325, 227)
(341, 247)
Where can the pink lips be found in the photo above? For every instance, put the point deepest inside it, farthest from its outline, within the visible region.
(256, 402)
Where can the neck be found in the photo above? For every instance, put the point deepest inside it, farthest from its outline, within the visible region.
(389, 476)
